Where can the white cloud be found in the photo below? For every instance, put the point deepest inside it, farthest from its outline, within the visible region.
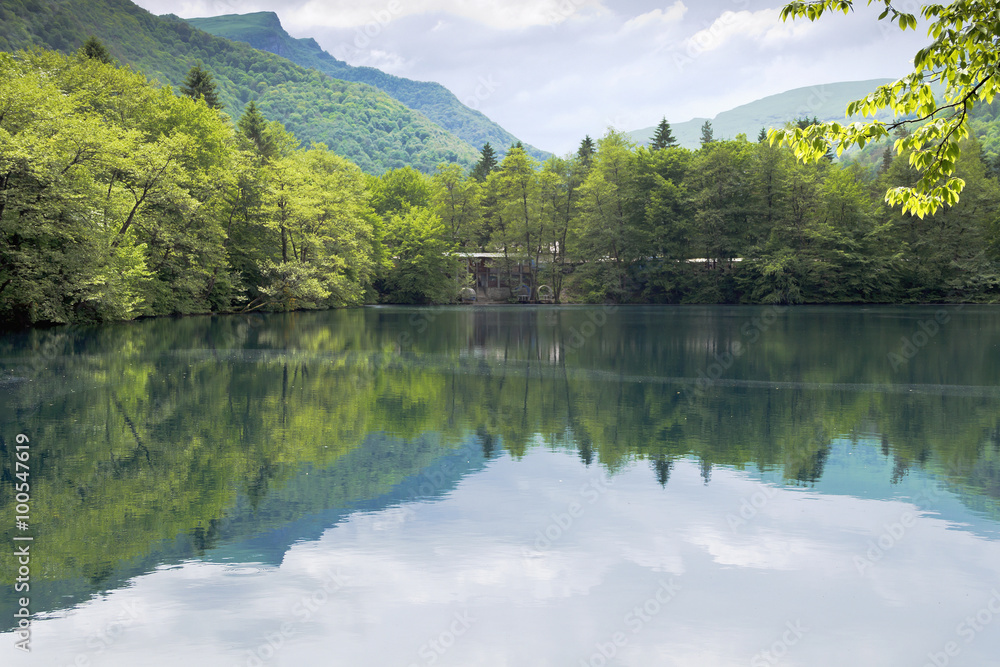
(731, 25)
(569, 68)
(657, 18)
(507, 15)
(377, 586)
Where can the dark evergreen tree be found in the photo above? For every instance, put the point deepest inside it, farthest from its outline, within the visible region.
(95, 49)
(199, 84)
(664, 137)
(886, 160)
(587, 151)
(707, 133)
(487, 163)
(253, 126)
(762, 136)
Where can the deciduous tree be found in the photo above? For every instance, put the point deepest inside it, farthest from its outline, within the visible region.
(961, 58)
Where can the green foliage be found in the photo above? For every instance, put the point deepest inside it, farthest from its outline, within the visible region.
(586, 151)
(263, 31)
(664, 137)
(119, 199)
(357, 121)
(199, 85)
(399, 190)
(424, 268)
(961, 59)
(94, 48)
(707, 134)
(487, 163)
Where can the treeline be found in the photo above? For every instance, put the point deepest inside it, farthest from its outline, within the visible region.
(119, 199)
(734, 222)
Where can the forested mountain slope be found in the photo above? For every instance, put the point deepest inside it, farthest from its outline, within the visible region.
(263, 30)
(355, 120)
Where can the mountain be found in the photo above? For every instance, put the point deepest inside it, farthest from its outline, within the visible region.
(356, 120)
(263, 30)
(825, 102)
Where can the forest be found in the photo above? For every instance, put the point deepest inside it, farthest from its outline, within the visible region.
(120, 199)
(263, 30)
(357, 121)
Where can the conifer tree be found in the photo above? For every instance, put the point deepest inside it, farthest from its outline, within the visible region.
(707, 133)
(95, 49)
(487, 163)
(200, 84)
(253, 125)
(587, 151)
(664, 137)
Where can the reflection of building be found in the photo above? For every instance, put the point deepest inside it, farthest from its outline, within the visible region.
(501, 278)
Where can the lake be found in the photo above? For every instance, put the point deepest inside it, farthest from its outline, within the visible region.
(566, 486)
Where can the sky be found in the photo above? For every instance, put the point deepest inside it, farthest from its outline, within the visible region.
(553, 71)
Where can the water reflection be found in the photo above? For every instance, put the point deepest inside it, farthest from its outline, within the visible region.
(435, 454)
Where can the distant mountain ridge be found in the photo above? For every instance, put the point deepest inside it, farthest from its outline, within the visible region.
(824, 102)
(263, 30)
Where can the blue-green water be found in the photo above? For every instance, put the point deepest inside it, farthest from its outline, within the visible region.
(508, 486)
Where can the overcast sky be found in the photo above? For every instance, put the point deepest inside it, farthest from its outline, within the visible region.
(552, 71)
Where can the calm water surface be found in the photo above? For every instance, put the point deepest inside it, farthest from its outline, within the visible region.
(564, 486)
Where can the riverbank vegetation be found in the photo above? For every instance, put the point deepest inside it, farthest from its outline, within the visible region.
(120, 199)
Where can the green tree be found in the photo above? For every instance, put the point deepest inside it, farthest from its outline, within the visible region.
(425, 268)
(586, 152)
(254, 128)
(667, 222)
(608, 233)
(664, 137)
(94, 48)
(559, 182)
(961, 58)
(524, 235)
(487, 163)
(199, 84)
(455, 200)
(398, 190)
(707, 134)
